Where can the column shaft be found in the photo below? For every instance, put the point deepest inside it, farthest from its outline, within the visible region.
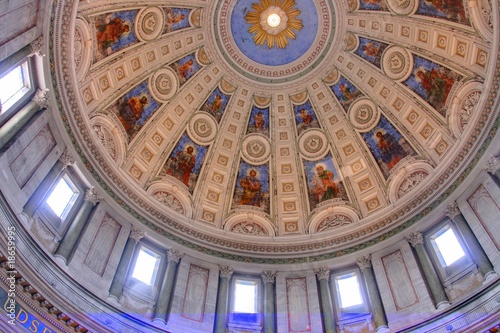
(67, 247)
(326, 303)
(269, 308)
(375, 301)
(116, 288)
(476, 250)
(222, 302)
(431, 276)
(165, 292)
(14, 124)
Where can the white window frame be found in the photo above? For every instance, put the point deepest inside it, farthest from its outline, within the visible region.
(235, 320)
(27, 92)
(457, 270)
(353, 313)
(139, 289)
(59, 224)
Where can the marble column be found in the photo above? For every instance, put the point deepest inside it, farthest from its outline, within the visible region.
(65, 160)
(323, 276)
(378, 313)
(476, 250)
(416, 240)
(222, 299)
(68, 243)
(115, 291)
(167, 286)
(268, 279)
(14, 124)
(492, 167)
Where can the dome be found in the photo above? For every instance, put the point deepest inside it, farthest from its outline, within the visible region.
(205, 123)
(340, 159)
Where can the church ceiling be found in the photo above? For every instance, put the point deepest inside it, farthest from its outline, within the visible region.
(326, 128)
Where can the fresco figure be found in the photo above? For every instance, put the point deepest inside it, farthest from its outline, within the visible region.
(324, 184)
(186, 69)
(252, 192)
(176, 19)
(109, 33)
(436, 83)
(215, 104)
(182, 165)
(259, 120)
(391, 151)
(130, 111)
(373, 5)
(305, 116)
(452, 10)
(173, 18)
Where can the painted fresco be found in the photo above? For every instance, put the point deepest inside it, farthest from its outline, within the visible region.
(185, 68)
(453, 10)
(387, 145)
(185, 162)
(373, 5)
(216, 104)
(432, 82)
(252, 186)
(370, 50)
(305, 117)
(345, 92)
(323, 181)
(175, 19)
(259, 121)
(113, 32)
(135, 108)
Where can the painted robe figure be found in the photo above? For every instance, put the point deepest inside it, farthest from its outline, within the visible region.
(324, 185)
(391, 151)
(130, 111)
(436, 83)
(252, 192)
(108, 33)
(182, 165)
(305, 116)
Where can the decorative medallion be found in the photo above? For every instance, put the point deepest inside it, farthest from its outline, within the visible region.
(249, 228)
(163, 84)
(202, 128)
(403, 7)
(150, 23)
(273, 22)
(364, 115)
(313, 144)
(397, 63)
(256, 149)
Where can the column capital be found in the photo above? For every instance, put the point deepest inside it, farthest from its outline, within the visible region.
(41, 98)
(364, 262)
(226, 271)
(92, 196)
(66, 158)
(268, 276)
(322, 273)
(37, 47)
(174, 255)
(492, 165)
(452, 210)
(136, 234)
(415, 238)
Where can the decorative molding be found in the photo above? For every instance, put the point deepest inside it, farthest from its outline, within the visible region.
(268, 277)
(415, 238)
(225, 271)
(364, 262)
(322, 273)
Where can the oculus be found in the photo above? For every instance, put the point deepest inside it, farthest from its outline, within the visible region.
(273, 22)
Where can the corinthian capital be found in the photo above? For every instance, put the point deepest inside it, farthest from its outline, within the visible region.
(452, 210)
(174, 255)
(226, 271)
(92, 196)
(492, 165)
(415, 238)
(364, 262)
(268, 276)
(322, 273)
(37, 47)
(41, 98)
(136, 234)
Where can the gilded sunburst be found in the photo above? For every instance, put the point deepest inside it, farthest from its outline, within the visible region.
(273, 22)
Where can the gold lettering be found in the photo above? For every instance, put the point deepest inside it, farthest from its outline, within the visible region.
(34, 328)
(19, 315)
(46, 330)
